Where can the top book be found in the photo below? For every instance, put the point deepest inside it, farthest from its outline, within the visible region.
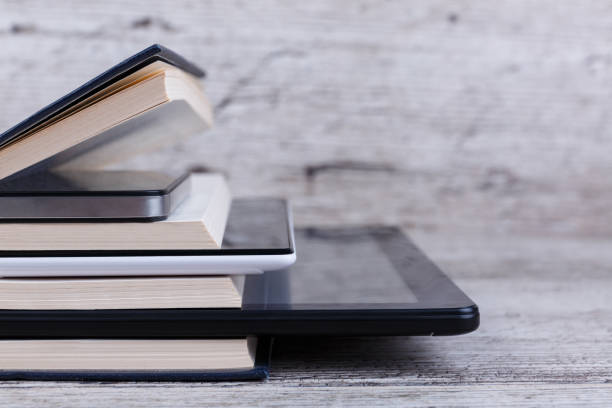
(146, 101)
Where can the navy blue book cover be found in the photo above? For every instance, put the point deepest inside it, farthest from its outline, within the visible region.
(260, 371)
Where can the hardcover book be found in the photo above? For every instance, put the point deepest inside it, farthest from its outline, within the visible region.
(135, 359)
(149, 100)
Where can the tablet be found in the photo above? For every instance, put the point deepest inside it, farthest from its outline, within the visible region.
(347, 281)
(258, 237)
(92, 196)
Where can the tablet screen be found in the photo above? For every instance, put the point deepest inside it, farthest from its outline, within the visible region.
(337, 269)
(257, 224)
(351, 271)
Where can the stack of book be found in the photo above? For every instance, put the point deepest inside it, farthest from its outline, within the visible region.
(66, 225)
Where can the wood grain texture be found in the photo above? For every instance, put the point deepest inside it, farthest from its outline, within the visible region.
(544, 340)
(474, 115)
(483, 128)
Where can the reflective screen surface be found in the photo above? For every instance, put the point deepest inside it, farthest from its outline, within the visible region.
(339, 269)
(257, 224)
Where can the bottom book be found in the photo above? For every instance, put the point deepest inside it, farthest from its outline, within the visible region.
(136, 359)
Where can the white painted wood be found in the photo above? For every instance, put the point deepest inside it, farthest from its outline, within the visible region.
(483, 128)
(485, 116)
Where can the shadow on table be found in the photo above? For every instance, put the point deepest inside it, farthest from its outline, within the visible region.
(364, 357)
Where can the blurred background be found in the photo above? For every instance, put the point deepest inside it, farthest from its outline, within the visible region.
(470, 118)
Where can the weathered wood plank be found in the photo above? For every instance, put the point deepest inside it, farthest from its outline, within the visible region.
(463, 114)
(484, 395)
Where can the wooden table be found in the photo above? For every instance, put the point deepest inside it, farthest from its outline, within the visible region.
(545, 339)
